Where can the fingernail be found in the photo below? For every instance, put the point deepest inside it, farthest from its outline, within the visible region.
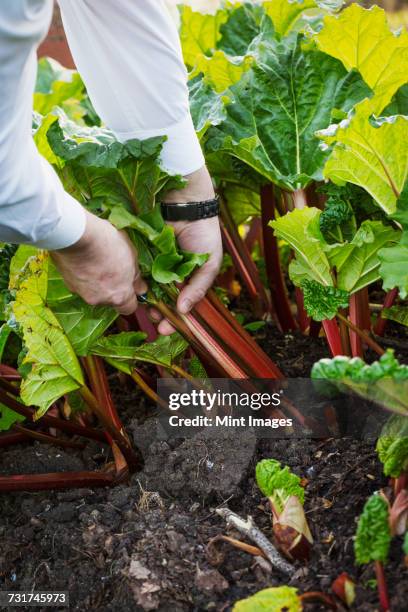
(185, 306)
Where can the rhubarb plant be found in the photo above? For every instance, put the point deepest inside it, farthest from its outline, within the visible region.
(372, 541)
(384, 382)
(286, 497)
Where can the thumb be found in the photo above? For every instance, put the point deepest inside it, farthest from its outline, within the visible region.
(197, 287)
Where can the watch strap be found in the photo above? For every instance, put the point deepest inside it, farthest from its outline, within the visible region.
(192, 211)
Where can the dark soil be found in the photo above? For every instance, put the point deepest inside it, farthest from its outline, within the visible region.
(143, 545)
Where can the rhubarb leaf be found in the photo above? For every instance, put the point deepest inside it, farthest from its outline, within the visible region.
(241, 27)
(55, 369)
(286, 13)
(125, 349)
(384, 382)
(301, 230)
(206, 105)
(99, 167)
(357, 263)
(396, 313)
(370, 154)
(361, 39)
(58, 86)
(278, 483)
(321, 302)
(199, 33)
(394, 259)
(273, 599)
(8, 417)
(373, 536)
(220, 71)
(277, 106)
(392, 446)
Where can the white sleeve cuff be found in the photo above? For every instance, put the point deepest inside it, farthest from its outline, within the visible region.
(69, 228)
(181, 152)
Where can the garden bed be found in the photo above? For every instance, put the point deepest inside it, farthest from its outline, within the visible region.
(142, 545)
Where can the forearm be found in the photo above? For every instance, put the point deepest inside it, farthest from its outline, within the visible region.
(34, 208)
(129, 55)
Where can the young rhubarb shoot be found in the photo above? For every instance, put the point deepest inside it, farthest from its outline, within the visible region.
(372, 541)
(344, 587)
(286, 497)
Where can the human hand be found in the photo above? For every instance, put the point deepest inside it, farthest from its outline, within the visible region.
(102, 267)
(203, 236)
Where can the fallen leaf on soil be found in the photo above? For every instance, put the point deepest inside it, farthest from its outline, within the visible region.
(210, 580)
(137, 570)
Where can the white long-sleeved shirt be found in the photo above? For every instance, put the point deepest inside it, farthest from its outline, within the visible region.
(128, 54)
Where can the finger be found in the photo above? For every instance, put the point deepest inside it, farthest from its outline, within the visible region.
(139, 284)
(165, 328)
(197, 287)
(128, 307)
(155, 315)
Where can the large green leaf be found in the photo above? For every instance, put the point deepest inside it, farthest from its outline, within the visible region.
(301, 230)
(58, 86)
(100, 168)
(285, 14)
(394, 259)
(199, 32)
(371, 154)
(277, 106)
(357, 262)
(125, 349)
(55, 368)
(362, 39)
(206, 105)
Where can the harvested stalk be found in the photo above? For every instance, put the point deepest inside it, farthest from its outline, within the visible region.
(250, 530)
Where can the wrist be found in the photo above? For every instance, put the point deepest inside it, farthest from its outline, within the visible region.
(199, 188)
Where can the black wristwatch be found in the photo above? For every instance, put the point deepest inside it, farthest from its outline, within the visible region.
(192, 211)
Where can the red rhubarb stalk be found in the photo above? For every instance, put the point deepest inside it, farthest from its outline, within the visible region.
(274, 272)
(243, 262)
(381, 323)
(332, 332)
(359, 313)
(303, 319)
(382, 586)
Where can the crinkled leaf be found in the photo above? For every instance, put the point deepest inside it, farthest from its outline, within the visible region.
(357, 263)
(241, 27)
(127, 348)
(362, 40)
(301, 230)
(199, 32)
(323, 302)
(392, 446)
(384, 382)
(97, 166)
(206, 105)
(278, 105)
(55, 368)
(278, 483)
(274, 599)
(373, 536)
(82, 323)
(371, 154)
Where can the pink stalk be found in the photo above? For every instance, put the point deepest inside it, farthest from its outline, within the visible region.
(274, 272)
(359, 313)
(381, 323)
(331, 330)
